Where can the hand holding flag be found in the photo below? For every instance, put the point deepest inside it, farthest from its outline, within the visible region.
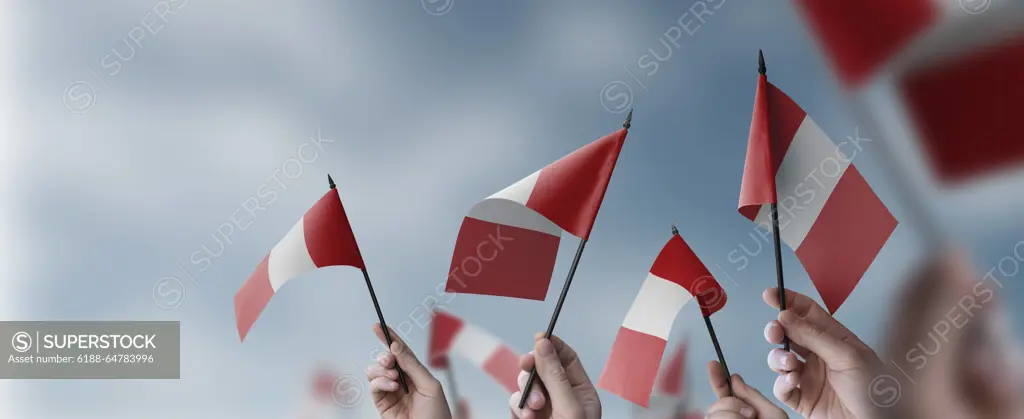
(837, 365)
(737, 399)
(321, 238)
(425, 398)
(564, 391)
(835, 223)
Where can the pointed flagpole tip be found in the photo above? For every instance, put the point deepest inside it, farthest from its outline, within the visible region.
(760, 63)
(330, 181)
(629, 119)
(675, 231)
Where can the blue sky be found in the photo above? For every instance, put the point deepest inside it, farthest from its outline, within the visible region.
(422, 109)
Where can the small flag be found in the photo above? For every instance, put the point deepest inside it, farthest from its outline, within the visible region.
(758, 186)
(954, 65)
(965, 110)
(676, 278)
(322, 237)
(856, 53)
(452, 335)
(508, 242)
(828, 213)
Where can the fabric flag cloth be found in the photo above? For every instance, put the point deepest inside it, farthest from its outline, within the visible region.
(508, 242)
(676, 278)
(955, 67)
(828, 213)
(452, 335)
(322, 237)
(670, 399)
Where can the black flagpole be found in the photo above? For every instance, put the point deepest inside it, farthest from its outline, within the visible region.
(714, 338)
(718, 350)
(561, 298)
(450, 377)
(775, 228)
(380, 315)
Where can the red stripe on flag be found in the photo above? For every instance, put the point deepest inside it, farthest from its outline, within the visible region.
(677, 263)
(252, 298)
(328, 234)
(633, 366)
(847, 235)
(443, 329)
(503, 366)
(859, 36)
(495, 259)
(758, 185)
(785, 119)
(569, 191)
(967, 110)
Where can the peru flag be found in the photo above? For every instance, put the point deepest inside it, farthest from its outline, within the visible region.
(452, 335)
(953, 65)
(828, 213)
(323, 237)
(676, 278)
(508, 242)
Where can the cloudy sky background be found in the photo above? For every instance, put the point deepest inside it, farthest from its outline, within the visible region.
(111, 181)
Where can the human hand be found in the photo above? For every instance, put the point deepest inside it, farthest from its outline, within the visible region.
(563, 391)
(425, 399)
(832, 379)
(745, 403)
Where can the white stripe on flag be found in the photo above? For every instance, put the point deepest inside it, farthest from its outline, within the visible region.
(475, 344)
(289, 257)
(809, 173)
(656, 307)
(508, 207)
(520, 191)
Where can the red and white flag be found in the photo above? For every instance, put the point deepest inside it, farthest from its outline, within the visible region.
(828, 213)
(508, 242)
(452, 335)
(323, 237)
(670, 398)
(953, 67)
(677, 277)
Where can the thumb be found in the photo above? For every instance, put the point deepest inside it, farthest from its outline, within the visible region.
(754, 398)
(552, 373)
(838, 354)
(405, 357)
